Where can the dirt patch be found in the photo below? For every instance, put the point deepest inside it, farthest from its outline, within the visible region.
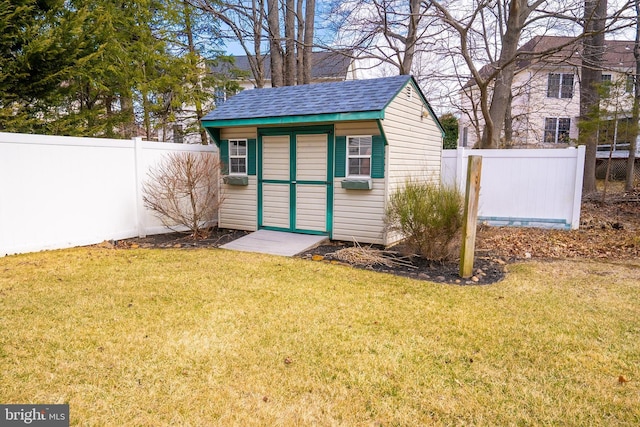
(608, 229)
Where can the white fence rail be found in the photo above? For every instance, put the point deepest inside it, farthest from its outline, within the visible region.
(541, 188)
(58, 192)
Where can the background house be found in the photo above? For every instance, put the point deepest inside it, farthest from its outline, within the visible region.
(323, 158)
(546, 94)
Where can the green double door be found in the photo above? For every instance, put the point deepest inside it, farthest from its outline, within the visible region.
(295, 182)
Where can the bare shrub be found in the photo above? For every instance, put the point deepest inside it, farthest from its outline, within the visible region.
(429, 217)
(183, 190)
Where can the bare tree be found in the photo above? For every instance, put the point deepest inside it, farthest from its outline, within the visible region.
(595, 12)
(635, 116)
(309, 25)
(275, 46)
(183, 190)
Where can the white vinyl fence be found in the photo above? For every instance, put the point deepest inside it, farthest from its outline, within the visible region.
(58, 192)
(541, 188)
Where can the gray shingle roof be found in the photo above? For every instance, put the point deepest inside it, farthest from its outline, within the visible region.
(320, 98)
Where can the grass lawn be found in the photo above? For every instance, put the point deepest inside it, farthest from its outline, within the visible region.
(212, 337)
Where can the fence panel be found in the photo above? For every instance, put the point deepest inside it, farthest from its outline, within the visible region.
(58, 192)
(541, 187)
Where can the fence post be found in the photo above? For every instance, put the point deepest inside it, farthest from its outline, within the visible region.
(577, 189)
(139, 204)
(472, 184)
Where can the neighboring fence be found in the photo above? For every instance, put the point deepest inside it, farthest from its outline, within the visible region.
(58, 192)
(526, 187)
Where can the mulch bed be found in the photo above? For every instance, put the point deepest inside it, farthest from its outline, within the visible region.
(608, 230)
(486, 269)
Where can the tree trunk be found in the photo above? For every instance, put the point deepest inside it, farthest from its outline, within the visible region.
(595, 12)
(412, 37)
(309, 25)
(290, 44)
(273, 21)
(299, 42)
(518, 13)
(635, 117)
(194, 67)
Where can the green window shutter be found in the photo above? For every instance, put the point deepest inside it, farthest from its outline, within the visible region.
(341, 156)
(377, 156)
(251, 157)
(224, 156)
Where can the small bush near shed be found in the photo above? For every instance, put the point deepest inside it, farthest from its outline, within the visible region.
(429, 216)
(183, 191)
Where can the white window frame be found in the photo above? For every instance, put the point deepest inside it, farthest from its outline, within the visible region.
(561, 84)
(234, 153)
(359, 156)
(556, 130)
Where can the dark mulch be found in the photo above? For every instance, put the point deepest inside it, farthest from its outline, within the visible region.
(486, 269)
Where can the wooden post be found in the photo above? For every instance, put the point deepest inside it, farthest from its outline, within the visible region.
(467, 250)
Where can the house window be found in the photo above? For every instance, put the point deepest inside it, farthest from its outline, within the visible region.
(238, 157)
(220, 96)
(359, 155)
(465, 136)
(605, 80)
(556, 130)
(560, 85)
(178, 134)
(629, 86)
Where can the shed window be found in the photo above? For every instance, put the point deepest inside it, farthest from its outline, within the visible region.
(238, 156)
(359, 155)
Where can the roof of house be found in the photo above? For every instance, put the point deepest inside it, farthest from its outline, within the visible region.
(324, 65)
(565, 51)
(312, 103)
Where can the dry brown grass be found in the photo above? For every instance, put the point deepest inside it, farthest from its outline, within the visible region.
(213, 337)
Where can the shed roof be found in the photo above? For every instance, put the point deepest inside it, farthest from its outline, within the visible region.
(321, 98)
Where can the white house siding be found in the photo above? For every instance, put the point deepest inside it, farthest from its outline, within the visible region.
(359, 214)
(414, 138)
(238, 209)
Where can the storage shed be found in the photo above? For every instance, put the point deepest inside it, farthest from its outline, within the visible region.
(323, 158)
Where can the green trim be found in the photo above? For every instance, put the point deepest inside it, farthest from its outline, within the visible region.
(251, 156)
(341, 156)
(259, 176)
(214, 133)
(377, 156)
(292, 120)
(224, 156)
(293, 132)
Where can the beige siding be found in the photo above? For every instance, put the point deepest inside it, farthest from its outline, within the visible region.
(311, 157)
(357, 128)
(414, 138)
(275, 205)
(238, 210)
(275, 161)
(359, 214)
(239, 133)
(311, 207)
